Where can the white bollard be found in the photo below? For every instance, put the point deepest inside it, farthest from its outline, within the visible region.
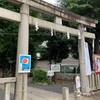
(65, 94)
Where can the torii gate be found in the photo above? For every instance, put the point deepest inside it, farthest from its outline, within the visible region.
(25, 19)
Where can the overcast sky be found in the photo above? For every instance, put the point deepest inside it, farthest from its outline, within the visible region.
(51, 1)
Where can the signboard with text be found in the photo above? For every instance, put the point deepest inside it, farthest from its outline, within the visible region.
(55, 67)
(24, 63)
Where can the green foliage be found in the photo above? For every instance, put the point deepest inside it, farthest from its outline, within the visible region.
(8, 43)
(74, 47)
(58, 48)
(10, 6)
(8, 37)
(43, 52)
(81, 7)
(36, 38)
(9, 34)
(39, 76)
(88, 8)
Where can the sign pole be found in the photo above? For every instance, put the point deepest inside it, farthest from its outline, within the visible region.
(23, 41)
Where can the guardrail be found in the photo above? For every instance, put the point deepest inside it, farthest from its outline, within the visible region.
(7, 82)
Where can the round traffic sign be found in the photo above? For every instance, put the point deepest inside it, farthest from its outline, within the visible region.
(25, 61)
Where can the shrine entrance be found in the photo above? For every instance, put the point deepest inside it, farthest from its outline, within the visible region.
(24, 19)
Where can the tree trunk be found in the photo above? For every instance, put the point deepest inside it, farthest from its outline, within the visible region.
(97, 44)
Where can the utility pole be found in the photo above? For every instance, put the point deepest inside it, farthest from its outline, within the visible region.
(23, 43)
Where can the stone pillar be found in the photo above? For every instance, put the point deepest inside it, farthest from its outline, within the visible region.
(23, 42)
(83, 77)
(77, 95)
(65, 94)
(58, 20)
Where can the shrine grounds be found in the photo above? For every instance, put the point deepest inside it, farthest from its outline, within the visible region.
(49, 92)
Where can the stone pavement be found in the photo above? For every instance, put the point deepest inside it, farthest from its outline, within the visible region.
(48, 92)
(40, 94)
(54, 92)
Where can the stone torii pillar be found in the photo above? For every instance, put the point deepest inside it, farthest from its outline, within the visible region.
(39, 5)
(84, 79)
(23, 43)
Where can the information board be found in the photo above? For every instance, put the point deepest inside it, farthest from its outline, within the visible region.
(55, 67)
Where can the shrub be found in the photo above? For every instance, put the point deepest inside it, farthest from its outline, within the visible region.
(39, 76)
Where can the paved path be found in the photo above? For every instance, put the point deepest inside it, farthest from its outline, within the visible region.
(40, 94)
(54, 92)
(47, 92)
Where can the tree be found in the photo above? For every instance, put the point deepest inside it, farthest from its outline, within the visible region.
(58, 48)
(89, 9)
(9, 34)
(86, 8)
(43, 53)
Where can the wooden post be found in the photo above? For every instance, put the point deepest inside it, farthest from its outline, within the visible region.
(23, 42)
(65, 94)
(7, 91)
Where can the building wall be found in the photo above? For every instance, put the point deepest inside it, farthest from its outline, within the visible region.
(44, 65)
